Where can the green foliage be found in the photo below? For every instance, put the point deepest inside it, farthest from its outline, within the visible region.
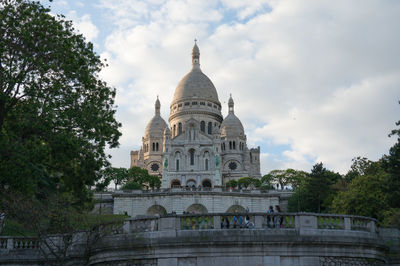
(133, 178)
(284, 178)
(232, 183)
(131, 185)
(365, 196)
(373, 188)
(117, 175)
(56, 115)
(256, 182)
(27, 216)
(266, 182)
(244, 182)
(391, 218)
(315, 192)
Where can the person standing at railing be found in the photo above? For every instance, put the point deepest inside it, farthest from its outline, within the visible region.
(237, 221)
(225, 223)
(270, 211)
(278, 218)
(248, 223)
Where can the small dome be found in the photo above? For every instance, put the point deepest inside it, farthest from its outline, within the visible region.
(232, 127)
(157, 125)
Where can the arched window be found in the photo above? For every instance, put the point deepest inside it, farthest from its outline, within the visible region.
(175, 183)
(177, 165)
(206, 183)
(230, 145)
(179, 128)
(157, 146)
(174, 132)
(203, 126)
(154, 146)
(234, 145)
(191, 157)
(206, 165)
(209, 129)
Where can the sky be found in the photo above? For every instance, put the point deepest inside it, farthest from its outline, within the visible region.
(313, 81)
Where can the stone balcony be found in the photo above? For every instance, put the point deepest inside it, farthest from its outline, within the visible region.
(206, 239)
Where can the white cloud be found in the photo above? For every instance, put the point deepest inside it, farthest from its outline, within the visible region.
(84, 25)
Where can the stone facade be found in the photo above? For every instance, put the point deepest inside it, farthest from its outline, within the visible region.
(200, 147)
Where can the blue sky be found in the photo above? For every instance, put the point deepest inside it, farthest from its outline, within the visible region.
(312, 81)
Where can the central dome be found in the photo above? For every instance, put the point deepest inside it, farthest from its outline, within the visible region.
(195, 84)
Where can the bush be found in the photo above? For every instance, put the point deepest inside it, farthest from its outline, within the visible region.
(131, 185)
(232, 183)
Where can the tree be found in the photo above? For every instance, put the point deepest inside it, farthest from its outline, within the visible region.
(288, 177)
(244, 182)
(315, 193)
(365, 196)
(118, 175)
(55, 224)
(56, 115)
(232, 183)
(266, 181)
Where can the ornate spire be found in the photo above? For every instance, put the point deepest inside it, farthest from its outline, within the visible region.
(195, 55)
(157, 106)
(230, 104)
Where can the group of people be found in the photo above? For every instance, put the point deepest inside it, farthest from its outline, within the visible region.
(274, 220)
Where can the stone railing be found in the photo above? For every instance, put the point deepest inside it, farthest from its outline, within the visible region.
(253, 221)
(202, 189)
(18, 243)
(224, 221)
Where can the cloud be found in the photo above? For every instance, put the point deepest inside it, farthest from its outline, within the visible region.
(84, 25)
(312, 80)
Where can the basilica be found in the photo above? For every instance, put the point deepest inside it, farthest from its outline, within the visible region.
(199, 147)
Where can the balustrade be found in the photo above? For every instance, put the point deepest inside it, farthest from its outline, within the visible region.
(330, 221)
(25, 243)
(190, 222)
(359, 224)
(230, 221)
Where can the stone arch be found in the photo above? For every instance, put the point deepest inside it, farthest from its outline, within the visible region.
(191, 182)
(197, 208)
(175, 183)
(156, 210)
(206, 183)
(236, 208)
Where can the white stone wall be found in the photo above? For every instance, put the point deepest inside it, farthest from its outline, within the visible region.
(138, 204)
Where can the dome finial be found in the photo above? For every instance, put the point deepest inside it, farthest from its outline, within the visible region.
(195, 55)
(157, 106)
(230, 104)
